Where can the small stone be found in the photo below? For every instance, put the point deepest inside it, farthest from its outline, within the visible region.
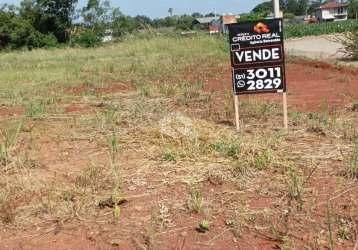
(138, 208)
(184, 234)
(115, 242)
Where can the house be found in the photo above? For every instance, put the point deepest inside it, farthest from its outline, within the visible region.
(227, 19)
(108, 36)
(204, 23)
(332, 11)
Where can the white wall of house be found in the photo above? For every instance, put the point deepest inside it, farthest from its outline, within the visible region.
(336, 14)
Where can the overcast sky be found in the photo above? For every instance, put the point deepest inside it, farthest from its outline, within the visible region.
(159, 8)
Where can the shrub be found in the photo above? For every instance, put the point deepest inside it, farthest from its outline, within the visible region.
(350, 44)
(86, 38)
(352, 166)
(39, 40)
(288, 15)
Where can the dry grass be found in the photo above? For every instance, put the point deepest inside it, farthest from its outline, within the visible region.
(154, 144)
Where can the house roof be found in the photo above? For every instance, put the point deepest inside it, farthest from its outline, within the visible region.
(206, 20)
(227, 19)
(332, 5)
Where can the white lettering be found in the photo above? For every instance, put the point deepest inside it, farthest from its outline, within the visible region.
(275, 54)
(258, 55)
(248, 55)
(239, 56)
(243, 37)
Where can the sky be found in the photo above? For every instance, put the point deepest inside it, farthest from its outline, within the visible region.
(159, 8)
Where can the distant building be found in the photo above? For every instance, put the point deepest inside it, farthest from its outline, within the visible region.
(332, 11)
(205, 22)
(108, 36)
(227, 19)
(215, 24)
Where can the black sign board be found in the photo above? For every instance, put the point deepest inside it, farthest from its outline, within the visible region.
(257, 57)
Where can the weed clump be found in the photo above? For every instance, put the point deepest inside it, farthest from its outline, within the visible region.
(295, 185)
(9, 140)
(262, 160)
(352, 166)
(7, 207)
(169, 155)
(230, 148)
(88, 178)
(350, 44)
(196, 201)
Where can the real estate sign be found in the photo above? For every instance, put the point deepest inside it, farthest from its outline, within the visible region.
(257, 57)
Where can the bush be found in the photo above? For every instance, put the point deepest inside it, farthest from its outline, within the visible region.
(39, 40)
(86, 38)
(289, 16)
(350, 45)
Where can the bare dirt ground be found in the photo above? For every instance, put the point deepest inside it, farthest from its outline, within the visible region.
(310, 85)
(294, 193)
(318, 47)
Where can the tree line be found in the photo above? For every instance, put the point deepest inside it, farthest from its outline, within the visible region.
(293, 8)
(50, 23)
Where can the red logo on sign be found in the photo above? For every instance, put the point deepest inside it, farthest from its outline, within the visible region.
(261, 28)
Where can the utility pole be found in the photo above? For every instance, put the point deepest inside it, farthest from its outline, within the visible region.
(276, 8)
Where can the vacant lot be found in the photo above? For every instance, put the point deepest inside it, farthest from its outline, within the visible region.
(325, 47)
(132, 146)
(320, 47)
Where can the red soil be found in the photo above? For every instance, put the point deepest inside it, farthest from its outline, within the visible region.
(113, 87)
(13, 111)
(76, 108)
(310, 84)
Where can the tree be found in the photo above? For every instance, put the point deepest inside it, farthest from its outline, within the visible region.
(122, 25)
(197, 15)
(49, 16)
(263, 7)
(57, 16)
(17, 31)
(142, 22)
(302, 7)
(210, 14)
(252, 17)
(97, 16)
(171, 11)
(291, 6)
(6, 26)
(313, 6)
(164, 22)
(353, 9)
(297, 7)
(185, 22)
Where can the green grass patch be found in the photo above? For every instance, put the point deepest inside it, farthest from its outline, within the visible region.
(317, 29)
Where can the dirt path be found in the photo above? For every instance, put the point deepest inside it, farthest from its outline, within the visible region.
(314, 47)
(317, 47)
